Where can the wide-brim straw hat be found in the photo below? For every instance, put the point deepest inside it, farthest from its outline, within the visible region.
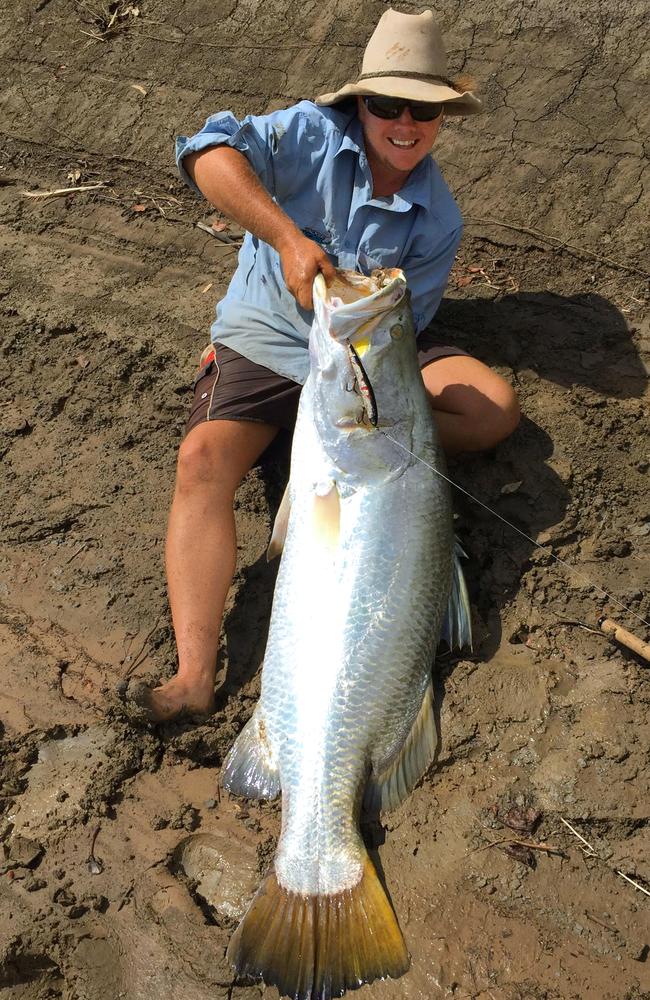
(406, 58)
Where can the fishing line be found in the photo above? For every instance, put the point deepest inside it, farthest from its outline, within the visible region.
(544, 548)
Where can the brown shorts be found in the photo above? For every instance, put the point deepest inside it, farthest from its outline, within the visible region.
(230, 387)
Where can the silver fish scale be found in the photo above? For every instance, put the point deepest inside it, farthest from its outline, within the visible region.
(349, 654)
(354, 621)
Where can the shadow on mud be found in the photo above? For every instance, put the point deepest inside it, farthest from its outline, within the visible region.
(246, 626)
(581, 342)
(578, 340)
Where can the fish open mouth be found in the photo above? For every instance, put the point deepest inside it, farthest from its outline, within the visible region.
(349, 311)
(363, 387)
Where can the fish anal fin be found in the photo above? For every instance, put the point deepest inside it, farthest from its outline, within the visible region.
(319, 946)
(280, 525)
(250, 769)
(388, 788)
(327, 518)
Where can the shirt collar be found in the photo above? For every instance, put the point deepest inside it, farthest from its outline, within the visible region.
(416, 191)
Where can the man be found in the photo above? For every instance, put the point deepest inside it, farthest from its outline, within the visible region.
(347, 182)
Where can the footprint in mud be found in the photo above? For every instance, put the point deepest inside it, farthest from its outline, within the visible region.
(222, 871)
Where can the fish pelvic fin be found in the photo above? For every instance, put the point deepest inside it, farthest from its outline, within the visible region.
(457, 627)
(327, 518)
(250, 768)
(280, 525)
(390, 786)
(316, 947)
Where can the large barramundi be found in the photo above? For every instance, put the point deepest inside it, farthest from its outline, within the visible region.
(345, 718)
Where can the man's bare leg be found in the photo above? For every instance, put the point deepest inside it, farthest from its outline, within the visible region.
(201, 555)
(474, 408)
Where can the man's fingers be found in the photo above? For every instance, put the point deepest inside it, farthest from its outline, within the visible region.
(305, 296)
(302, 293)
(328, 270)
(301, 262)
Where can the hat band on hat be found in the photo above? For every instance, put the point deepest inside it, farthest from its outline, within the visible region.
(407, 75)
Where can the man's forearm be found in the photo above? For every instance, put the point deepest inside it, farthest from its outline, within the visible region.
(224, 176)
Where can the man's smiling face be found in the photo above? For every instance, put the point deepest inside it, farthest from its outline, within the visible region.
(395, 146)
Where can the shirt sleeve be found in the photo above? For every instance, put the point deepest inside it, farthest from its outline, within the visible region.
(427, 277)
(258, 137)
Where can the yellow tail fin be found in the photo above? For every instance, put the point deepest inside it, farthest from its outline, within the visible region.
(316, 947)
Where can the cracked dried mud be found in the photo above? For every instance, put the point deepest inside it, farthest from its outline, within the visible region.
(123, 872)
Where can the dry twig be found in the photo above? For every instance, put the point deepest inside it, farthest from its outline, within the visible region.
(532, 844)
(77, 552)
(561, 244)
(578, 624)
(590, 852)
(108, 18)
(222, 237)
(59, 191)
(621, 635)
(602, 923)
(135, 661)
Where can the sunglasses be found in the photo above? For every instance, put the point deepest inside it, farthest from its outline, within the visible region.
(392, 107)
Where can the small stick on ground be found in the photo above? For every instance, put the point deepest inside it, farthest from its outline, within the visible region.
(562, 245)
(93, 841)
(59, 191)
(602, 923)
(578, 624)
(631, 881)
(590, 851)
(547, 848)
(134, 663)
(95, 865)
(628, 639)
(77, 552)
(222, 237)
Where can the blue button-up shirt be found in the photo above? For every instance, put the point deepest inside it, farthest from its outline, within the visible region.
(313, 162)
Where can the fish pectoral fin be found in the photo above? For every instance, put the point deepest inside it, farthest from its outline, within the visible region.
(457, 627)
(327, 518)
(250, 768)
(319, 946)
(390, 786)
(280, 525)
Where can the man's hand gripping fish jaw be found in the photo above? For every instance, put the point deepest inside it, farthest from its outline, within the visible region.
(349, 287)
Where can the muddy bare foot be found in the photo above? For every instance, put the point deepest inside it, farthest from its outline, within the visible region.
(173, 700)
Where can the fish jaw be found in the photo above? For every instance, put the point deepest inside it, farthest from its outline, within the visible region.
(382, 345)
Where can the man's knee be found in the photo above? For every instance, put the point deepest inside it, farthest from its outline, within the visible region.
(216, 455)
(200, 464)
(505, 411)
(492, 413)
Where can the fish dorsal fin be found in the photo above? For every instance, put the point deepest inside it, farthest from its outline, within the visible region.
(279, 533)
(388, 788)
(327, 517)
